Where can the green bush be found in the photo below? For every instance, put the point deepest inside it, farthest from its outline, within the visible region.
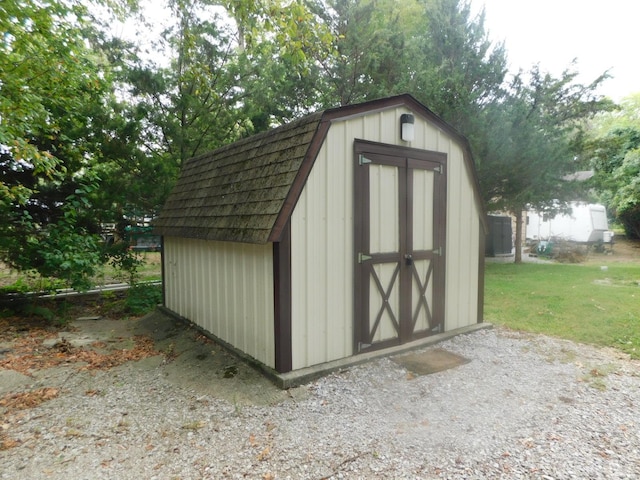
(143, 298)
(32, 282)
(126, 261)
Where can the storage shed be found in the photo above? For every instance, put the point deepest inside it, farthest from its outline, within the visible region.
(350, 230)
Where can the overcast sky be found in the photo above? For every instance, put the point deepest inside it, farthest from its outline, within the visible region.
(601, 34)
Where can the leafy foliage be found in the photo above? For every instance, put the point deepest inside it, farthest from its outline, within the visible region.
(613, 151)
(54, 98)
(533, 138)
(369, 54)
(461, 70)
(93, 130)
(125, 260)
(143, 298)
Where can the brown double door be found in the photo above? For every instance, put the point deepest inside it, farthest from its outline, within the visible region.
(400, 216)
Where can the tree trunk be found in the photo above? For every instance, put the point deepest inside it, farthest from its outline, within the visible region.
(518, 241)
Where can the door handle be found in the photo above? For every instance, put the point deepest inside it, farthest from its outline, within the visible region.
(408, 259)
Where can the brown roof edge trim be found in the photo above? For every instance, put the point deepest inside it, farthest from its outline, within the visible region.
(300, 180)
(466, 151)
(384, 103)
(359, 109)
(410, 102)
(471, 168)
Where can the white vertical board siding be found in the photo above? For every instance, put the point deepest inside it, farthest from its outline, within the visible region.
(322, 254)
(463, 234)
(322, 226)
(225, 288)
(463, 228)
(423, 186)
(384, 220)
(384, 224)
(423, 181)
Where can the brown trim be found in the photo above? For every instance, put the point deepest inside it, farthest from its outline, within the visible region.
(162, 272)
(308, 134)
(343, 113)
(392, 102)
(405, 194)
(406, 160)
(481, 263)
(282, 301)
(361, 240)
(301, 179)
(418, 108)
(409, 153)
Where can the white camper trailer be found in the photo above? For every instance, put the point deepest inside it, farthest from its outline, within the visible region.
(587, 223)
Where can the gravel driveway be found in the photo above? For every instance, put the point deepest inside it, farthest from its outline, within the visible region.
(524, 407)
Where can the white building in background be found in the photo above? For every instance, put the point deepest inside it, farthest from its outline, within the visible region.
(587, 223)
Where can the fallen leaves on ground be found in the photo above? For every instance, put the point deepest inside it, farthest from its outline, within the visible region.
(21, 401)
(22, 349)
(6, 443)
(24, 400)
(14, 328)
(29, 354)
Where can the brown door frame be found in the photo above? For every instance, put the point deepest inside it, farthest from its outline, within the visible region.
(406, 159)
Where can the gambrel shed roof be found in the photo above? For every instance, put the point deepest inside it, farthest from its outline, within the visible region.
(246, 191)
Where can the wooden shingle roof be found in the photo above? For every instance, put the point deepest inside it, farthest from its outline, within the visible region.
(246, 191)
(236, 192)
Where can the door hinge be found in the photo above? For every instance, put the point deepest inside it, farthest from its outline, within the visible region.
(362, 257)
(362, 160)
(439, 169)
(437, 251)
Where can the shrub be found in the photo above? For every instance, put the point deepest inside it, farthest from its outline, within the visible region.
(142, 298)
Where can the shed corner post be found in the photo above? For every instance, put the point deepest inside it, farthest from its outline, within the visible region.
(282, 300)
(163, 272)
(481, 272)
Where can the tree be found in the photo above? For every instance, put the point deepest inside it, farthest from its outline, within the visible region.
(613, 151)
(372, 48)
(460, 70)
(533, 140)
(55, 92)
(231, 71)
(280, 63)
(435, 50)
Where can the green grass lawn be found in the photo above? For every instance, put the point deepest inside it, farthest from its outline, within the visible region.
(578, 302)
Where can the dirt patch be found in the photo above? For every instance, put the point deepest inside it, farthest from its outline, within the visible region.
(43, 360)
(430, 361)
(34, 353)
(623, 250)
(194, 361)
